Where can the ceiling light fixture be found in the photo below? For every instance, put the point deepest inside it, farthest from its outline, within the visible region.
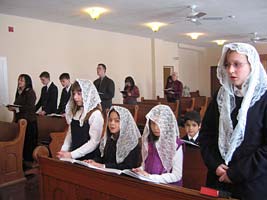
(155, 26)
(220, 42)
(194, 36)
(95, 12)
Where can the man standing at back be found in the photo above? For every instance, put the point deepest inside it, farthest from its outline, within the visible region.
(48, 98)
(105, 87)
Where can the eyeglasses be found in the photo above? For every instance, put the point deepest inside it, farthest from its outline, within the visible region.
(235, 64)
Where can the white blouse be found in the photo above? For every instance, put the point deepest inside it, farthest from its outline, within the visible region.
(96, 122)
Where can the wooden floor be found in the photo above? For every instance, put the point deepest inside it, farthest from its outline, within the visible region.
(28, 190)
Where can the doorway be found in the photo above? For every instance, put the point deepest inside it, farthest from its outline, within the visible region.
(167, 70)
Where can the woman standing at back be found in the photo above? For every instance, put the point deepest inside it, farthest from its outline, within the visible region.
(25, 98)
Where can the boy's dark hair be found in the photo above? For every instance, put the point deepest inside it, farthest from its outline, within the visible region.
(45, 75)
(64, 76)
(193, 116)
(102, 65)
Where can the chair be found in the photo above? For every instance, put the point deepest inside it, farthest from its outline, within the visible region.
(11, 151)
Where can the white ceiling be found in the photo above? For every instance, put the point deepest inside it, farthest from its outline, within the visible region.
(127, 16)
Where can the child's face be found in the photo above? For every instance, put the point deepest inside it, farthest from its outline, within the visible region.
(155, 128)
(191, 128)
(114, 122)
(77, 97)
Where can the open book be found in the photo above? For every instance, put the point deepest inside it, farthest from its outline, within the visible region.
(190, 143)
(54, 115)
(110, 170)
(13, 105)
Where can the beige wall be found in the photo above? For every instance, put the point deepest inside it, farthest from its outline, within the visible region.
(38, 45)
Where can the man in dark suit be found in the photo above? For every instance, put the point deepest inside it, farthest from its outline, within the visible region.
(105, 87)
(65, 94)
(48, 98)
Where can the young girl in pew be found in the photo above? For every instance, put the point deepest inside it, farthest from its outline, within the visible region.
(120, 148)
(83, 114)
(162, 150)
(25, 109)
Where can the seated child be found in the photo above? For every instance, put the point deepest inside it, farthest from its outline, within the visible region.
(120, 147)
(162, 150)
(192, 125)
(83, 114)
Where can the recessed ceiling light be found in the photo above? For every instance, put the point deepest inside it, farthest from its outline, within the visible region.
(95, 12)
(155, 26)
(194, 36)
(220, 42)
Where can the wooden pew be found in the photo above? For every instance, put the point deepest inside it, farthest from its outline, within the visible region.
(199, 102)
(62, 180)
(149, 101)
(132, 108)
(187, 104)
(144, 108)
(173, 106)
(194, 93)
(194, 170)
(204, 107)
(11, 152)
(47, 124)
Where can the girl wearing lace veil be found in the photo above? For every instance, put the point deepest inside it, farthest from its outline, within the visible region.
(233, 137)
(120, 148)
(162, 151)
(83, 114)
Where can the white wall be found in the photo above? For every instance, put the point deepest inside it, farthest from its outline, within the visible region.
(166, 54)
(36, 46)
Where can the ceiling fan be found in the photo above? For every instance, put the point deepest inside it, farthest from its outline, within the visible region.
(257, 39)
(196, 16)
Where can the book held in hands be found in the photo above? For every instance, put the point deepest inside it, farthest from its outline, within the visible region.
(127, 172)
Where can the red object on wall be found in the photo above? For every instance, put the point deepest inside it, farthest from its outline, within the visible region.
(10, 29)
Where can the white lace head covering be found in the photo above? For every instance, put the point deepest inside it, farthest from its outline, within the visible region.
(253, 88)
(90, 100)
(128, 137)
(166, 145)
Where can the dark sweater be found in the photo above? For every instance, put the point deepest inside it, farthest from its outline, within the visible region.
(106, 89)
(247, 169)
(133, 159)
(27, 102)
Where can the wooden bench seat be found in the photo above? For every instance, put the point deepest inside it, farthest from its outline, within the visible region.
(11, 152)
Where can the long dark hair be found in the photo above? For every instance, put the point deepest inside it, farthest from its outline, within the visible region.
(151, 137)
(75, 87)
(108, 131)
(28, 80)
(131, 81)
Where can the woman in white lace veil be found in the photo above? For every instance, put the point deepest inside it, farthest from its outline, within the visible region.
(120, 147)
(161, 141)
(240, 132)
(83, 114)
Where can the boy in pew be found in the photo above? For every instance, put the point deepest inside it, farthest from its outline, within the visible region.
(83, 114)
(120, 147)
(162, 150)
(65, 94)
(192, 125)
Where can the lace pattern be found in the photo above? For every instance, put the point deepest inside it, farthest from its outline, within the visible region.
(90, 100)
(253, 88)
(166, 146)
(129, 134)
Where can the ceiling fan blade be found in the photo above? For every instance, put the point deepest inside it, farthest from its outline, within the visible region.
(200, 14)
(212, 18)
